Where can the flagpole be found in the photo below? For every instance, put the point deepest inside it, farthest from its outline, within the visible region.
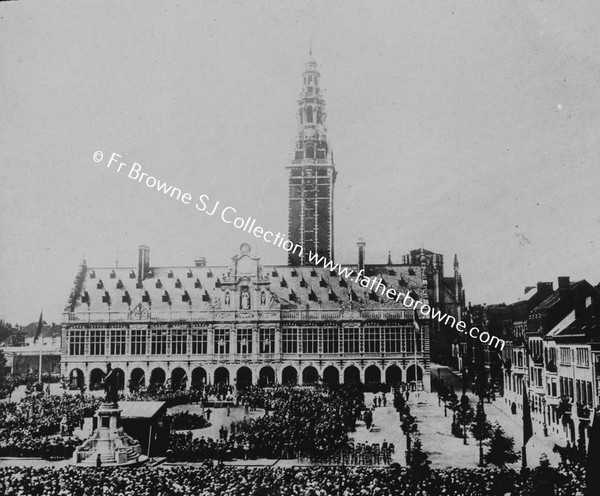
(41, 344)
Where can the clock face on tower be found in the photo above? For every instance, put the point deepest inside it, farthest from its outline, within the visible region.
(309, 133)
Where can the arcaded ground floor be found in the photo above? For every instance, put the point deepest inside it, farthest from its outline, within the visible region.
(178, 374)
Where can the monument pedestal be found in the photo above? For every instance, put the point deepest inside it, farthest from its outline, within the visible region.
(109, 441)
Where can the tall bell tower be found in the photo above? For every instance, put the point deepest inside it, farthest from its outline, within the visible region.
(311, 174)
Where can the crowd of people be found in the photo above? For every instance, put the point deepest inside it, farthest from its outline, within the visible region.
(186, 421)
(298, 423)
(42, 425)
(209, 480)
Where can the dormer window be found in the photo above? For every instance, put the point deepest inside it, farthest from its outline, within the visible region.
(93, 274)
(313, 273)
(139, 285)
(100, 284)
(588, 301)
(283, 283)
(106, 298)
(178, 283)
(166, 298)
(146, 297)
(113, 275)
(170, 276)
(85, 298)
(158, 284)
(119, 284)
(197, 284)
(132, 274)
(189, 274)
(185, 296)
(126, 298)
(209, 273)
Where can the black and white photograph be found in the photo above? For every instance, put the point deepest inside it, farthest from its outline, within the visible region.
(299, 248)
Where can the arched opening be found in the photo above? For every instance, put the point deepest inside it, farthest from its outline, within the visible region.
(157, 377)
(138, 379)
(96, 379)
(121, 378)
(221, 376)
(266, 376)
(410, 374)
(331, 376)
(310, 375)
(289, 376)
(372, 375)
(198, 377)
(178, 379)
(351, 375)
(309, 114)
(243, 378)
(393, 375)
(76, 379)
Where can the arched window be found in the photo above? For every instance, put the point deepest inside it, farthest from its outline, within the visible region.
(300, 112)
(310, 151)
(309, 79)
(309, 114)
(318, 116)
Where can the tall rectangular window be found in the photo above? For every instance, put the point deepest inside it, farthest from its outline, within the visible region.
(221, 342)
(565, 355)
(199, 341)
(117, 341)
(372, 340)
(244, 341)
(583, 357)
(138, 341)
(310, 340)
(393, 340)
(97, 342)
(289, 340)
(158, 342)
(352, 340)
(266, 339)
(179, 341)
(330, 340)
(76, 342)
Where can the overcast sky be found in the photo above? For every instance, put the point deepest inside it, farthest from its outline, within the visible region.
(463, 127)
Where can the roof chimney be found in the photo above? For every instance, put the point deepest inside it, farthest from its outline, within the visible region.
(361, 253)
(563, 282)
(200, 262)
(143, 262)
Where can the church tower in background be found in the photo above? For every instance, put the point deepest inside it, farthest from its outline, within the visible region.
(311, 174)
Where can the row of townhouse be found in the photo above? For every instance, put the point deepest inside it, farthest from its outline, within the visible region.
(552, 352)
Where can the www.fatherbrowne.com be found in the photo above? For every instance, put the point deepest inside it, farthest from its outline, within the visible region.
(248, 225)
(377, 285)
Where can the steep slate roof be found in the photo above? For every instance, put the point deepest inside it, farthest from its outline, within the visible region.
(554, 298)
(293, 287)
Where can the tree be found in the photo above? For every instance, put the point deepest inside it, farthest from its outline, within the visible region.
(464, 416)
(453, 405)
(409, 425)
(481, 430)
(501, 449)
(419, 460)
(7, 384)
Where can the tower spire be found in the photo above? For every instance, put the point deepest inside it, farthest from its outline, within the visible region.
(311, 173)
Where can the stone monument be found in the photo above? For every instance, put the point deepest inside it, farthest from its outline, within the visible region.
(109, 445)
